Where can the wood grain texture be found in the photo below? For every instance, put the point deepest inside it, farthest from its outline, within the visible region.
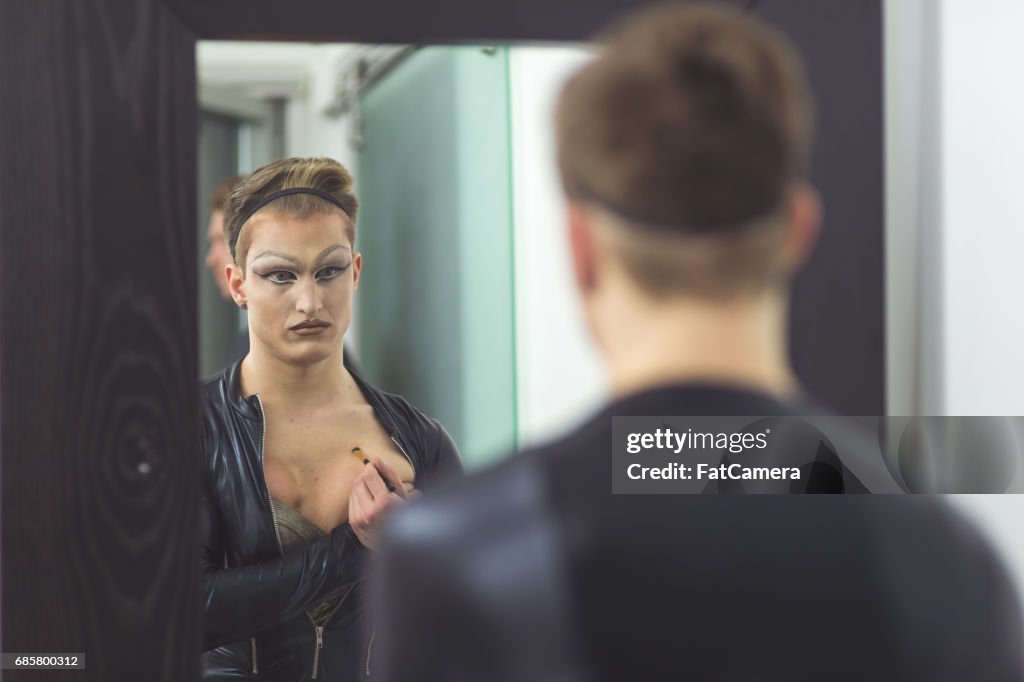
(98, 346)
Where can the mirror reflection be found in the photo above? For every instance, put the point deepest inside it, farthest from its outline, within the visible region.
(452, 159)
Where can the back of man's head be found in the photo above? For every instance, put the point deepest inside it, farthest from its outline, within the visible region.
(691, 128)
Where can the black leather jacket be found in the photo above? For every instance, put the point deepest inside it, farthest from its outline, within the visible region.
(533, 571)
(255, 597)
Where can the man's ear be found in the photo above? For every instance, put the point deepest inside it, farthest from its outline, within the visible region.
(236, 283)
(805, 214)
(581, 246)
(357, 267)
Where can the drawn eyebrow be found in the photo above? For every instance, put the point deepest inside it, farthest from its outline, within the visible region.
(329, 250)
(277, 254)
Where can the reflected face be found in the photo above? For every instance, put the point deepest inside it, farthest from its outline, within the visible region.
(300, 275)
(218, 255)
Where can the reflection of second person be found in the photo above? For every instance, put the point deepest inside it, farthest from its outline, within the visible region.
(289, 507)
(218, 255)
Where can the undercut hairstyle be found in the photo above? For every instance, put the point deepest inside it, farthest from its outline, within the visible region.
(693, 122)
(317, 173)
(713, 265)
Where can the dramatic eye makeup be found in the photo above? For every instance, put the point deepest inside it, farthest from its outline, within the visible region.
(276, 274)
(286, 269)
(329, 272)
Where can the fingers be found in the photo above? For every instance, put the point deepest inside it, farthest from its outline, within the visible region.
(357, 516)
(376, 488)
(360, 505)
(389, 475)
(368, 499)
(371, 478)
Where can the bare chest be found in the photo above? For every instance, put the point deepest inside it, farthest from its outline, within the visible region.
(310, 466)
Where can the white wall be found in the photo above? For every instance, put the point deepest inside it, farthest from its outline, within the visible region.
(955, 223)
(559, 376)
(983, 204)
(982, 107)
(955, 197)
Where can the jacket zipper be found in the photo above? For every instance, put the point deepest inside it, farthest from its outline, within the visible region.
(316, 653)
(263, 467)
(319, 630)
(369, 648)
(273, 514)
(406, 454)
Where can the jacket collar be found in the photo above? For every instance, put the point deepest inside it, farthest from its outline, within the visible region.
(247, 407)
(250, 408)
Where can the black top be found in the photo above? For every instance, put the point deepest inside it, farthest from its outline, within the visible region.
(535, 571)
(256, 595)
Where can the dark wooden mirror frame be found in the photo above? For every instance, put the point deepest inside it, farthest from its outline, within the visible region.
(98, 340)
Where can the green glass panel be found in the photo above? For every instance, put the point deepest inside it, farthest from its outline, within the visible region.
(435, 311)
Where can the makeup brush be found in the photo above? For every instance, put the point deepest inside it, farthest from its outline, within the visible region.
(365, 460)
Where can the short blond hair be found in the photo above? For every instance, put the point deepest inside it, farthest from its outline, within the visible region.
(317, 173)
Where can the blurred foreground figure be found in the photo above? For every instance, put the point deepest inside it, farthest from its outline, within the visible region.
(682, 151)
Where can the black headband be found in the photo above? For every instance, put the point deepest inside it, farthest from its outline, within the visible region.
(582, 192)
(277, 195)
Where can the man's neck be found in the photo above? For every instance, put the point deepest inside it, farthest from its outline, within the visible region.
(321, 383)
(741, 344)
